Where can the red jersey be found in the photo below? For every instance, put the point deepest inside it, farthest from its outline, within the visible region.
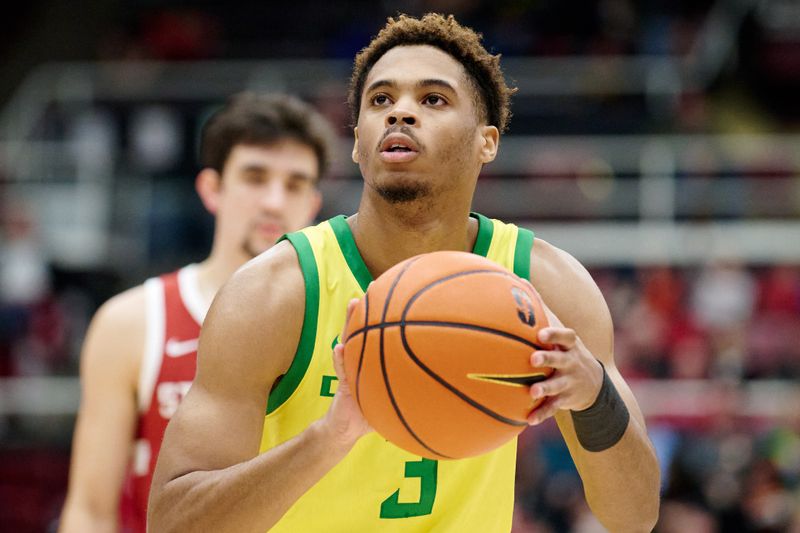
(175, 312)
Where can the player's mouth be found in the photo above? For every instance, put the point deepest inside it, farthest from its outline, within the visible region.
(398, 148)
(270, 229)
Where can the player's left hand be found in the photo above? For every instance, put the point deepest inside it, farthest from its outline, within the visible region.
(577, 377)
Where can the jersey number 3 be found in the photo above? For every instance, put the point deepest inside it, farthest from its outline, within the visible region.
(426, 471)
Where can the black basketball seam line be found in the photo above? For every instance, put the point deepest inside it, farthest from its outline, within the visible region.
(383, 324)
(383, 362)
(364, 341)
(457, 325)
(451, 388)
(454, 276)
(434, 375)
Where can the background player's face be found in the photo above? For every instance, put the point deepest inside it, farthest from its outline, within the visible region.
(423, 94)
(266, 191)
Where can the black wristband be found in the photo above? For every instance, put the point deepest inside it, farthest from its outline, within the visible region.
(601, 425)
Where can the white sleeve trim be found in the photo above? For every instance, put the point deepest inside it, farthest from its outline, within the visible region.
(190, 293)
(154, 340)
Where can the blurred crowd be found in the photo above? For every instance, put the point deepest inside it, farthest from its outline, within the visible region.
(176, 31)
(722, 321)
(724, 467)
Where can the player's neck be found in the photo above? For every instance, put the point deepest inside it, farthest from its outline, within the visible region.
(215, 270)
(386, 236)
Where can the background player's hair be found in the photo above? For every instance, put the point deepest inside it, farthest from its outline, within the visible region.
(250, 118)
(462, 43)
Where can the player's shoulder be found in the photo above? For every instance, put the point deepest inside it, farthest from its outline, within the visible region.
(115, 340)
(126, 311)
(550, 264)
(565, 284)
(275, 273)
(262, 304)
(264, 297)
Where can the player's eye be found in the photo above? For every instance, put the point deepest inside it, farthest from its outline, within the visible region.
(434, 99)
(296, 185)
(380, 99)
(253, 178)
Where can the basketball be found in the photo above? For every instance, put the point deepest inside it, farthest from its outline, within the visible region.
(437, 354)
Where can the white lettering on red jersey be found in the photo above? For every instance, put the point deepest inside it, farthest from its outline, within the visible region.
(175, 312)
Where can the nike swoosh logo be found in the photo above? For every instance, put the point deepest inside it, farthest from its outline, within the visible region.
(513, 380)
(176, 348)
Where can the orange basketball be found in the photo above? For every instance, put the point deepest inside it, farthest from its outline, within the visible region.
(437, 354)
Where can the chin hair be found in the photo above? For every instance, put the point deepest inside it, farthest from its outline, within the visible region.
(250, 250)
(399, 194)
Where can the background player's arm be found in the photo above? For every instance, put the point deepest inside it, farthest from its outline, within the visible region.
(209, 476)
(106, 421)
(621, 483)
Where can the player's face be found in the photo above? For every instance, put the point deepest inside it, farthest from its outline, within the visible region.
(266, 191)
(419, 131)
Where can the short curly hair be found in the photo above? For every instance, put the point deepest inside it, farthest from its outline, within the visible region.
(460, 42)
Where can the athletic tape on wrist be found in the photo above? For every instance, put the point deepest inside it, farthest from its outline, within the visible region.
(601, 425)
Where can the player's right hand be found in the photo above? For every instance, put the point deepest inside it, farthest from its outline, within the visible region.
(344, 420)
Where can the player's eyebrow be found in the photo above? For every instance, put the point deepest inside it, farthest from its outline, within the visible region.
(302, 177)
(254, 168)
(428, 82)
(435, 82)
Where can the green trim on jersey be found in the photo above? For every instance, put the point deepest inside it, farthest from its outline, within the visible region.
(484, 237)
(305, 348)
(522, 253)
(347, 243)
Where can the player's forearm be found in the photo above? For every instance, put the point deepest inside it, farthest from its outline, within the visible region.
(250, 496)
(622, 483)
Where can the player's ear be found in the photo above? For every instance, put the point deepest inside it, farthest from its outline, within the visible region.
(354, 155)
(490, 141)
(208, 184)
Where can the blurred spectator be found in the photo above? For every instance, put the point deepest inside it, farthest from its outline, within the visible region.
(181, 34)
(780, 290)
(774, 335)
(644, 333)
(681, 517)
(24, 276)
(722, 303)
(30, 321)
(724, 296)
(690, 357)
(663, 290)
(767, 502)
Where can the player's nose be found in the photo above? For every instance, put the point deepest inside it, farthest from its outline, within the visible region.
(273, 197)
(401, 114)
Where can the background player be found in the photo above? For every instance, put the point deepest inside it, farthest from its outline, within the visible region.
(429, 104)
(262, 157)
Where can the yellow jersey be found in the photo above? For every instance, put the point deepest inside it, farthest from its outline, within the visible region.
(379, 487)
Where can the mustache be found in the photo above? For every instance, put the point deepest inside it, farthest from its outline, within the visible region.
(403, 129)
(277, 221)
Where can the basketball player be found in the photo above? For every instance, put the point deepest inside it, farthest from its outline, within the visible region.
(429, 103)
(262, 157)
